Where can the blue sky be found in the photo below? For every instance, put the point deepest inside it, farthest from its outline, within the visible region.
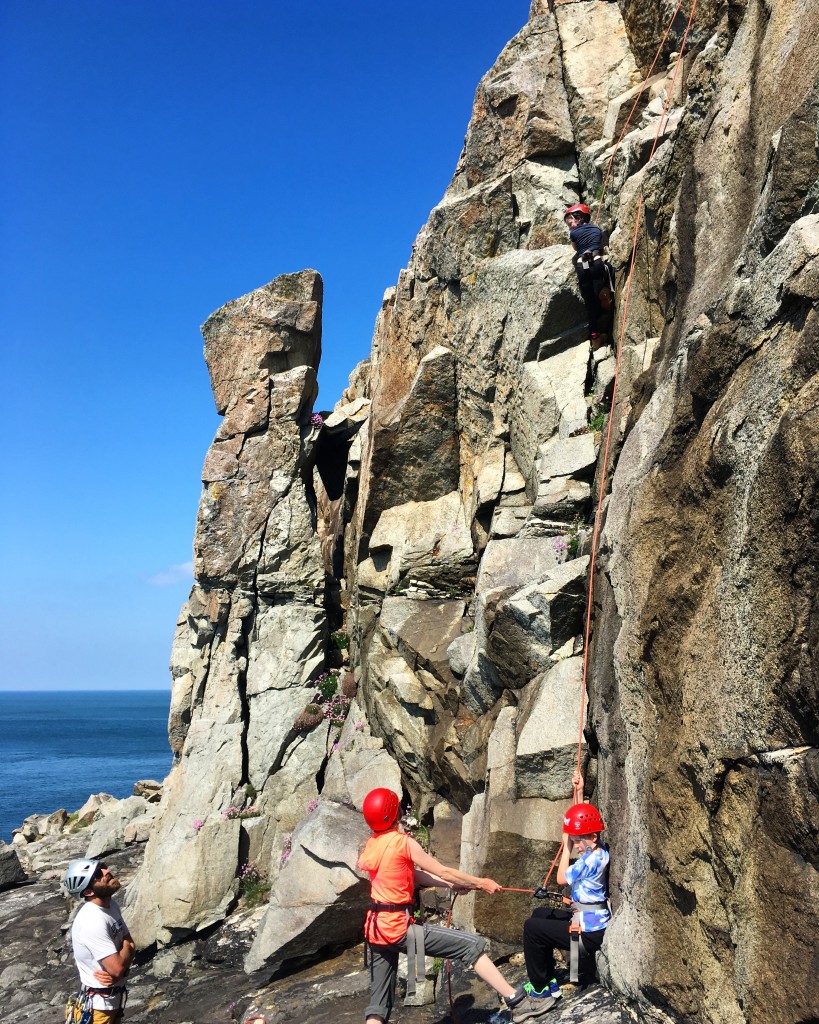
(162, 158)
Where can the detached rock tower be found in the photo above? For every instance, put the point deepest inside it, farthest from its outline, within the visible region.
(439, 519)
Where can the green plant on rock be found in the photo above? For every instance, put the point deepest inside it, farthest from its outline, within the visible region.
(568, 543)
(326, 684)
(340, 640)
(597, 414)
(253, 885)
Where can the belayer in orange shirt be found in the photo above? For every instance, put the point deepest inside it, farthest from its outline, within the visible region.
(396, 863)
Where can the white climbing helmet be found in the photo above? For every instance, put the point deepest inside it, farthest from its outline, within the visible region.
(78, 876)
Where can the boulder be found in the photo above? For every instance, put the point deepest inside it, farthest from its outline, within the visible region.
(95, 806)
(551, 400)
(512, 841)
(514, 563)
(267, 332)
(149, 789)
(195, 889)
(460, 653)
(11, 870)
(520, 110)
(319, 898)
(108, 832)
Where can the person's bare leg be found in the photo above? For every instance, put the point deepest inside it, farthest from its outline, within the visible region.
(489, 973)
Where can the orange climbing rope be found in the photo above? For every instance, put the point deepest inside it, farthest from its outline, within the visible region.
(604, 471)
(633, 109)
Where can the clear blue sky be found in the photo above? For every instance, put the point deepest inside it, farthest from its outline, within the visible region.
(162, 157)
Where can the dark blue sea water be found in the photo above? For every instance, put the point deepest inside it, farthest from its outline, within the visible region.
(58, 748)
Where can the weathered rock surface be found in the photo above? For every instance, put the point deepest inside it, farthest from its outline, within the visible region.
(319, 897)
(433, 512)
(254, 630)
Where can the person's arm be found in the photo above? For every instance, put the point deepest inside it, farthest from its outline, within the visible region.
(114, 968)
(565, 853)
(426, 878)
(577, 788)
(450, 876)
(423, 878)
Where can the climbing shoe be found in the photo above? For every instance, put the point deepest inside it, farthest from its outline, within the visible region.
(530, 1007)
(598, 341)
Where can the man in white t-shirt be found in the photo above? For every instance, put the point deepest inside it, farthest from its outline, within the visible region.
(103, 947)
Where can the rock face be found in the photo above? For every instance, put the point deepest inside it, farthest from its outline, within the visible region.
(705, 651)
(442, 515)
(254, 632)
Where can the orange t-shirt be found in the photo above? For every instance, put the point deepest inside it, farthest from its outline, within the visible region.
(387, 860)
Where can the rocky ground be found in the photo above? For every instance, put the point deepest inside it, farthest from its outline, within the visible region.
(203, 982)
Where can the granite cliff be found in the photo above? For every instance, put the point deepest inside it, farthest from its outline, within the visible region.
(395, 593)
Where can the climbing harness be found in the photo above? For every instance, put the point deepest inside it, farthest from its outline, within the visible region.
(375, 909)
(576, 947)
(79, 1008)
(416, 957)
(595, 271)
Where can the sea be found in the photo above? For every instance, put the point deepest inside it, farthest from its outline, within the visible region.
(57, 748)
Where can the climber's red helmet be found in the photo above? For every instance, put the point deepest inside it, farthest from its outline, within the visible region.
(380, 808)
(579, 212)
(582, 820)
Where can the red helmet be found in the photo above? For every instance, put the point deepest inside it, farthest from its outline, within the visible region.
(380, 809)
(582, 820)
(578, 208)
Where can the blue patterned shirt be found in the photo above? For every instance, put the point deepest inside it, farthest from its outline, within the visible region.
(588, 877)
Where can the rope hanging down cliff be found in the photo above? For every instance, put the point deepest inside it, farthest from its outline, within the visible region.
(607, 446)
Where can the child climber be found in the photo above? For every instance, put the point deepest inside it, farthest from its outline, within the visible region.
(594, 274)
(580, 930)
(396, 863)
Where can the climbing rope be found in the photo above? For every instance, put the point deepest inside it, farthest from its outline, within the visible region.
(604, 470)
(633, 110)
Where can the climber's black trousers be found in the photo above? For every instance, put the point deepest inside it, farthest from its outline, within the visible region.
(548, 930)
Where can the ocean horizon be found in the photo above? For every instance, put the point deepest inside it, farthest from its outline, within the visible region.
(57, 747)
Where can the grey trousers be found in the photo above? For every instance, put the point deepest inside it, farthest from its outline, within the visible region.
(442, 942)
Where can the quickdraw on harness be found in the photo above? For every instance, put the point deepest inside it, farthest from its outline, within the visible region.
(79, 1008)
(416, 953)
(576, 947)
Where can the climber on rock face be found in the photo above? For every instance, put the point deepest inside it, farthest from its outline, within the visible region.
(581, 926)
(396, 863)
(594, 274)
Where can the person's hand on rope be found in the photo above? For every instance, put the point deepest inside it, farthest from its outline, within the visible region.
(489, 885)
(577, 787)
